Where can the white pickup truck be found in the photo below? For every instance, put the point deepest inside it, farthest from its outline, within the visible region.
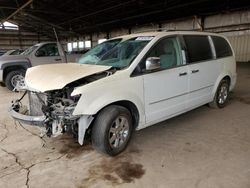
(13, 68)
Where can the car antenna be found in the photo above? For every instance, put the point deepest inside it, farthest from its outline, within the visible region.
(60, 48)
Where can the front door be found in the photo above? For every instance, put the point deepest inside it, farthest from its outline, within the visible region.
(166, 90)
(47, 54)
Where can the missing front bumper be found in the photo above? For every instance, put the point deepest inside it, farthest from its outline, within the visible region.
(27, 119)
(83, 122)
(56, 123)
(19, 112)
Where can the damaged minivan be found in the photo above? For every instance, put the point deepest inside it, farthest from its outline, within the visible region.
(126, 84)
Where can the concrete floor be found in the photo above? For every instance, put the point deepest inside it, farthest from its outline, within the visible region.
(206, 148)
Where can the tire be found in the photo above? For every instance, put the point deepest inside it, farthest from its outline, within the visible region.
(10, 76)
(112, 130)
(221, 95)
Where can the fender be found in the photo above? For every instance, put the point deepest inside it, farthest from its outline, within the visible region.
(99, 94)
(90, 106)
(25, 64)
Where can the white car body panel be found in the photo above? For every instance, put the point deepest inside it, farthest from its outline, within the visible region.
(201, 83)
(227, 69)
(183, 95)
(58, 75)
(97, 95)
(168, 96)
(157, 95)
(1, 74)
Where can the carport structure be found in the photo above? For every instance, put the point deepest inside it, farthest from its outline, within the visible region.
(202, 148)
(78, 17)
(78, 21)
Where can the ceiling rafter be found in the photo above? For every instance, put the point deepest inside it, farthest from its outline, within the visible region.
(18, 10)
(75, 17)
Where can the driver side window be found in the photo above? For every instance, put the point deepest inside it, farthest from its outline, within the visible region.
(47, 50)
(168, 51)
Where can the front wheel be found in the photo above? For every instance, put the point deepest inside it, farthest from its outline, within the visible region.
(221, 95)
(112, 130)
(14, 77)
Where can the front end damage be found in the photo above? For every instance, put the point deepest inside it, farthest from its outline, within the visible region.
(50, 103)
(53, 111)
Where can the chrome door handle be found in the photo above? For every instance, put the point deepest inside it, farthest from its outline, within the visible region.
(183, 74)
(195, 71)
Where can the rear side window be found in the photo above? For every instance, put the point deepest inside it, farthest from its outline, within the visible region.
(198, 48)
(222, 47)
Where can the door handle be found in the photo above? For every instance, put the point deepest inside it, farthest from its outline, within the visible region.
(183, 74)
(195, 71)
(58, 59)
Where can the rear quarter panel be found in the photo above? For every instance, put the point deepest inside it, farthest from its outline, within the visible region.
(228, 69)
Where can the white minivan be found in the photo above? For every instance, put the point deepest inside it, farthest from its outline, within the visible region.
(143, 79)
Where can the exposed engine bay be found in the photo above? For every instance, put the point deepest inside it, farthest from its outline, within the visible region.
(58, 107)
(53, 110)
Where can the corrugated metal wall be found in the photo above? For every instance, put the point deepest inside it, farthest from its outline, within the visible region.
(14, 39)
(234, 25)
(241, 46)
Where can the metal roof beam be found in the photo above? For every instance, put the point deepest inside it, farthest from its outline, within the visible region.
(96, 12)
(18, 10)
(44, 21)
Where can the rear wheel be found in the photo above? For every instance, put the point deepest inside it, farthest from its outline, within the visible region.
(112, 130)
(221, 95)
(14, 77)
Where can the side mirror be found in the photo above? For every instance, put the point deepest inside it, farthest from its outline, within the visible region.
(153, 63)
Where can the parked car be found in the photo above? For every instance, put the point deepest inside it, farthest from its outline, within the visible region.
(13, 68)
(2, 52)
(13, 52)
(145, 79)
(79, 51)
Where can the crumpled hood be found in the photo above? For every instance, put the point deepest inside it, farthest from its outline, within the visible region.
(56, 76)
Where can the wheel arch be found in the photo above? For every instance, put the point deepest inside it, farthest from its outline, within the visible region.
(227, 77)
(8, 67)
(132, 109)
(222, 77)
(126, 104)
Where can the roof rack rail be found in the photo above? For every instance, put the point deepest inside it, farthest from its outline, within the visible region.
(165, 30)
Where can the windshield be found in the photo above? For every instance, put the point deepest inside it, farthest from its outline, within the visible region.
(29, 50)
(121, 55)
(94, 55)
